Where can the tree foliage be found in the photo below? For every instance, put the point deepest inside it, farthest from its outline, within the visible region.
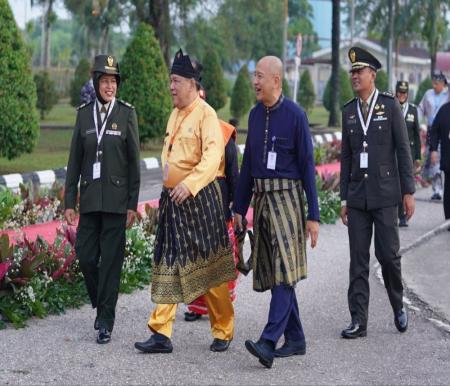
(423, 87)
(306, 95)
(346, 90)
(213, 81)
(286, 88)
(145, 83)
(242, 96)
(19, 125)
(46, 93)
(82, 75)
(381, 81)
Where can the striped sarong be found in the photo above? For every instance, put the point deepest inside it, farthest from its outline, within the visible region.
(279, 254)
(192, 247)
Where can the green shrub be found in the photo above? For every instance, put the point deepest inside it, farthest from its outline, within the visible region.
(305, 94)
(19, 124)
(82, 75)
(7, 202)
(242, 96)
(145, 83)
(423, 87)
(381, 81)
(346, 90)
(213, 80)
(286, 89)
(46, 93)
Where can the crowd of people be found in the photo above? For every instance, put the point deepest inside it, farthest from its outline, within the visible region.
(205, 199)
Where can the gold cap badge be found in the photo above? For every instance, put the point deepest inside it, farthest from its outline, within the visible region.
(110, 61)
(352, 56)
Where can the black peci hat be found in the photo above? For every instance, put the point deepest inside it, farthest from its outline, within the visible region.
(361, 58)
(439, 76)
(183, 66)
(402, 86)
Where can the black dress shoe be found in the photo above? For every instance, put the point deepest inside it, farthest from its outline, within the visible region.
(263, 350)
(156, 344)
(192, 316)
(403, 222)
(104, 336)
(401, 320)
(290, 348)
(219, 345)
(355, 330)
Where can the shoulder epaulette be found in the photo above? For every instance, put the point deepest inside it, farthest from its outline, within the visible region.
(388, 94)
(348, 102)
(84, 105)
(126, 103)
(413, 105)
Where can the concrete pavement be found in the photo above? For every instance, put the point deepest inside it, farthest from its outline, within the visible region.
(62, 349)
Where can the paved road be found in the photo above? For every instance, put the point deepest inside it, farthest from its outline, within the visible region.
(61, 349)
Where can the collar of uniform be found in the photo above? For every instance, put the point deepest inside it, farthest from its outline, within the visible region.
(99, 105)
(277, 104)
(369, 100)
(187, 109)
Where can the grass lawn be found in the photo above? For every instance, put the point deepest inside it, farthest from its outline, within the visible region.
(52, 150)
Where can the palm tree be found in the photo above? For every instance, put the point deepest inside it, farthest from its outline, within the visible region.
(333, 119)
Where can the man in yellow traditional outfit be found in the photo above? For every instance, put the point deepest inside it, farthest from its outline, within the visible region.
(192, 254)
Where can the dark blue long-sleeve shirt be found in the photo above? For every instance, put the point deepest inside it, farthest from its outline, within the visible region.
(288, 135)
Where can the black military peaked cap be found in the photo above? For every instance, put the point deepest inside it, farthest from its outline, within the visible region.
(106, 64)
(402, 86)
(361, 58)
(183, 66)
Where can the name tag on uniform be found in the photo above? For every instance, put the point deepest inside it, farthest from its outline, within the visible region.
(380, 118)
(271, 160)
(91, 131)
(364, 160)
(96, 170)
(113, 132)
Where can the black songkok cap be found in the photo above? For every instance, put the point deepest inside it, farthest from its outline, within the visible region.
(361, 58)
(182, 65)
(439, 76)
(402, 86)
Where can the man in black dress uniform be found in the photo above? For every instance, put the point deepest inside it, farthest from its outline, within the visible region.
(104, 158)
(412, 124)
(376, 174)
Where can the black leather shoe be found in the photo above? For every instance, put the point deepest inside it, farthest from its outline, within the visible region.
(401, 320)
(436, 196)
(403, 222)
(219, 345)
(263, 350)
(96, 324)
(156, 344)
(355, 330)
(192, 316)
(104, 336)
(290, 348)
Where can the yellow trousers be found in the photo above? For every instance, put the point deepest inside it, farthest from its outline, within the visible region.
(220, 310)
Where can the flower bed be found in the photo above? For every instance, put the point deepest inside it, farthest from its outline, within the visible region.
(39, 278)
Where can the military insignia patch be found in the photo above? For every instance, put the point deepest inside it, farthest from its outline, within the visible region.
(377, 106)
(114, 126)
(110, 61)
(352, 56)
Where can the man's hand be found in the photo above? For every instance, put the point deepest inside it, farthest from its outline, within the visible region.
(434, 157)
(409, 204)
(180, 193)
(69, 215)
(417, 165)
(131, 215)
(237, 221)
(312, 229)
(344, 217)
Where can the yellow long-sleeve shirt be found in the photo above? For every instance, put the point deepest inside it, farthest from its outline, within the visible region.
(197, 149)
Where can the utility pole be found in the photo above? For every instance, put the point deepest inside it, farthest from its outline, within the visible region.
(285, 27)
(390, 43)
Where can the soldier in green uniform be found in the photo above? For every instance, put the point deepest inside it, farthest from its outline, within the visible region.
(376, 174)
(104, 159)
(412, 124)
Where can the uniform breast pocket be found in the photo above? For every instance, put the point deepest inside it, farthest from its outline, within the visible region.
(355, 137)
(283, 145)
(382, 132)
(189, 145)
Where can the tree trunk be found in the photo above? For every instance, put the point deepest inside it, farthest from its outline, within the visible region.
(333, 119)
(46, 33)
(159, 19)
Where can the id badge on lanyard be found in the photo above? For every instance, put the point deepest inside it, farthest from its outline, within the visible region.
(97, 167)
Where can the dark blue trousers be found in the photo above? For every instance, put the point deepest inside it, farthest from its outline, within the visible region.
(284, 317)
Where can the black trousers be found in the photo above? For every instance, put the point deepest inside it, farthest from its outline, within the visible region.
(100, 249)
(447, 195)
(360, 229)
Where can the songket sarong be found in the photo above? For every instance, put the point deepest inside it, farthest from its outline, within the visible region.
(192, 247)
(279, 252)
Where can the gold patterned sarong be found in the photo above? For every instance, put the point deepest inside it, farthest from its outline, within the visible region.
(192, 247)
(279, 253)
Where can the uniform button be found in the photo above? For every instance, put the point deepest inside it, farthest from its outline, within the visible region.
(387, 173)
(366, 175)
(100, 152)
(117, 181)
